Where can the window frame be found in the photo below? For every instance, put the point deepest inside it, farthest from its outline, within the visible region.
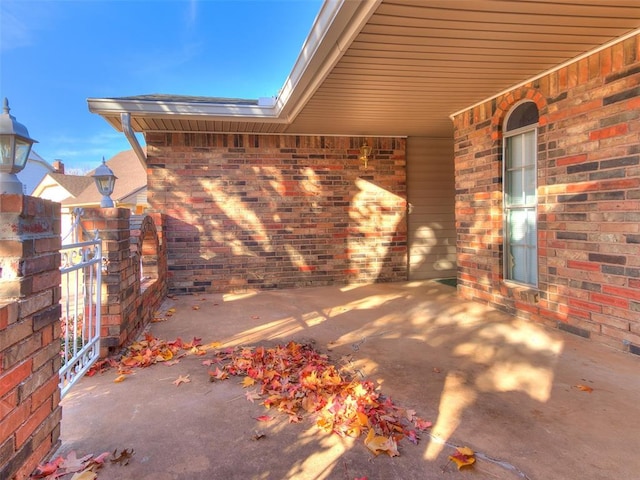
(525, 206)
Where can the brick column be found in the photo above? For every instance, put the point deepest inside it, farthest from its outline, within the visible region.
(121, 281)
(29, 332)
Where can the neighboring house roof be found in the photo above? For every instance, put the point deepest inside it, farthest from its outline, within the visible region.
(34, 171)
(131, 178)
(58, 186)
(398, 67)
(74, 184)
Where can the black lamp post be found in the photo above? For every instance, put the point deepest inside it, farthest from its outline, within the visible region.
(105, 181)
(15, 145)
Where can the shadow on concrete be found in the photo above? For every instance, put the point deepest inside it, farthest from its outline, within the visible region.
(503, 387)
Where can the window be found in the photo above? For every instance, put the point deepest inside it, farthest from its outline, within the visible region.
(520, 200)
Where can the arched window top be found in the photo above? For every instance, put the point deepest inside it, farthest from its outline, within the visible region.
(521, 116)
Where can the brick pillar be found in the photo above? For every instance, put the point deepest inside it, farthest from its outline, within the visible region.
(121, 281)
(29, 332)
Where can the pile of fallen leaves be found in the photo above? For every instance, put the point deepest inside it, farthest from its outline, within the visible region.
(83, 468)
(297, 380)
(147, 352)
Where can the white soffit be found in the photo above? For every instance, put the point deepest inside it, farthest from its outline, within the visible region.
(399, 67)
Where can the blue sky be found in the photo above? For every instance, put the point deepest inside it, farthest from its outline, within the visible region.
(54, 54)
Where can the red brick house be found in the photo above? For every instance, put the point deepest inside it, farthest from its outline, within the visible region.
(505, 150)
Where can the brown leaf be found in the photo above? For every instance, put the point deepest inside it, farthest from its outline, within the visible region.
(119, 379)
(123, 458)
(181, 379)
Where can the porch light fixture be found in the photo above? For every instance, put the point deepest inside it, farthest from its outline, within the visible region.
(15, 145)
(365, 152)
(105, 181)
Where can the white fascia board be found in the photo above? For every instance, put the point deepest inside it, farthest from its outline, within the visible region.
(141, 108)
(335, 28)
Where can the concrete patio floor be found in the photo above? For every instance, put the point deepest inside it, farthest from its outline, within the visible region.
(503, 387)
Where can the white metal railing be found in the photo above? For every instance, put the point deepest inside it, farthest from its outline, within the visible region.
(81, 269)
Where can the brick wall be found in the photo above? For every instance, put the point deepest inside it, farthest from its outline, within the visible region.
(262, 211)
(29, 332)
(128, 303)
(588, 199)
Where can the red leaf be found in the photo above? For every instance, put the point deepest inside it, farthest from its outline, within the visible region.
(422, 424)
(264, 418)
(47, 469)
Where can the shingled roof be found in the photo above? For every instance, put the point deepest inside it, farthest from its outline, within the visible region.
(131, 178)
(74, 184)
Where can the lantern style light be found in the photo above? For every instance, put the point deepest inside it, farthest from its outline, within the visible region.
(365, 153)
(15, 146)
(105, 181)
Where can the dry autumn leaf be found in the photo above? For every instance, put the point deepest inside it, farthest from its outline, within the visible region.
(584, 388)
(422, 424)
(379, 444)
(264, 418)
(463, 457)
(119, 379)
(87, 474)
(123, 458)
(74, 464)
(47, 469)
(195, 307)
(252, 396)
(181, 379)
(248, 382)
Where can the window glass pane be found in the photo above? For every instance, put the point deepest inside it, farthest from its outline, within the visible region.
(529, 185)
(514, 150)
(517, 227)
(518, 263)
(514, 188)
(532, 228)
(529, 141)
(525, 114)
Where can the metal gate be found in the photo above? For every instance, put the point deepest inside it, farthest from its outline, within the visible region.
(81, 269)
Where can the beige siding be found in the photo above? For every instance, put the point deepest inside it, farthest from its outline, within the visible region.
(431, 193)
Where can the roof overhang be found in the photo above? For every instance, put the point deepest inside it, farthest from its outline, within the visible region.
(397, 67)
